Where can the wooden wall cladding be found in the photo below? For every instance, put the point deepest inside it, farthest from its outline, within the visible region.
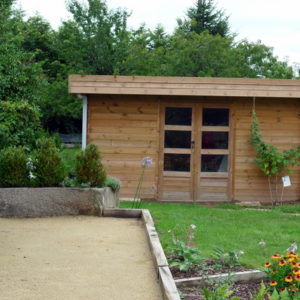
(280, 126)
(125, 128)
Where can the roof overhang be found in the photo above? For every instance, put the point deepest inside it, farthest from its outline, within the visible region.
(184, 86)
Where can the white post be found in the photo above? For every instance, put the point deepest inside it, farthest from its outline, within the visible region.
(84, 119)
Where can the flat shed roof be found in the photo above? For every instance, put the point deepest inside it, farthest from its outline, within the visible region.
(184, 86)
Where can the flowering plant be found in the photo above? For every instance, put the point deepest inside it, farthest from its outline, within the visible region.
(185, 253)
(146, 162)
(283, 273)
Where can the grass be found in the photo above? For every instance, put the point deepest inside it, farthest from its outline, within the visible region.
(68, 156)
(229, 228)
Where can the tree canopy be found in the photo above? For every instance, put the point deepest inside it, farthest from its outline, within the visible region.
(35, 59)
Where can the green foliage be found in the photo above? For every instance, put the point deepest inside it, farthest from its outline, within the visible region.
(260, 294)
(185, 254)
(226, 259)
(14, 167)
(19, 124)
(222, 292)
(206, 17)
(89, 168)
(270, 161)
(99, 35)
(48, 168)
(112, 182)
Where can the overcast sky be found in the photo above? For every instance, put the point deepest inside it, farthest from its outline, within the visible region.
(276, 23)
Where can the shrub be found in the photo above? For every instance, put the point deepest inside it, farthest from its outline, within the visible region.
(112, 182)
(14, 167)
(89, 168)
(48, 167)
(19, 124)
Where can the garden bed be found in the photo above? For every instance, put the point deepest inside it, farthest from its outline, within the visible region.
(244, 281)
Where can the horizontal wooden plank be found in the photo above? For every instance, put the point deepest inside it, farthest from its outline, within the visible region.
(123, 137)
(176, 174)
(213, 189)
(121, 123)
(174, 195)
(216, 182)
(214, 174)
(125, 144)
(239, 92)
(177, 127)
(177, 150)
(132, 150)
(215, 151)
(215, 128)
(166, 79)
(123, 116)
(170, 85)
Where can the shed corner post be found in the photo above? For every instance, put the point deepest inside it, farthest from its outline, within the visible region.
(84, 119)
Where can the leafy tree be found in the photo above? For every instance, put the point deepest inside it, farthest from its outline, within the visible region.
(19, 124)
(19, 74)
(98, 34)
(258, 60)
(199, 55)
(146, 54)
(206, 17)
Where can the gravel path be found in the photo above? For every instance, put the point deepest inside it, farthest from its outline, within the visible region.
(75, 258)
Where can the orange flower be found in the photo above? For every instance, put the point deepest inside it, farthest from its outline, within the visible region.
(293, 264)
(296, 272)
(294, 289)
(297, 277)
(298, 265)
(276, 256)
(292, 254)
(288, 278)
(291, 259)
(282, 263)
(268, 264)
(273, 283)
(282, 289)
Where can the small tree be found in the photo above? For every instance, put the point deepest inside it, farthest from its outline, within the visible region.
(48, 169)
(14, 168)
(206, 17)
(89, 168)
(271, 162)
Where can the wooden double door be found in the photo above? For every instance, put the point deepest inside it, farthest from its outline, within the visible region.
(194, 153)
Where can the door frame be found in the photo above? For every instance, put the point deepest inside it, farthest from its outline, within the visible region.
(196, 130)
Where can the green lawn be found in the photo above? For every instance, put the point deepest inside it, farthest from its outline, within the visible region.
(229, 227)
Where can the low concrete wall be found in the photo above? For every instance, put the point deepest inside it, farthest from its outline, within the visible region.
(38, 202)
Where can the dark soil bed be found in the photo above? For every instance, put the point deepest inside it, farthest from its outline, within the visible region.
(240, 289)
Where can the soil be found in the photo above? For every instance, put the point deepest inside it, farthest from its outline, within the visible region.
(76, 258)
(240, 289)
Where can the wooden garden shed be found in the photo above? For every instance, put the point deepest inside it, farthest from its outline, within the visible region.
(196, 130)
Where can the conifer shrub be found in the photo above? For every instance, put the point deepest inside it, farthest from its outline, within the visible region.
(89, 169)
(14, 167)
(48, 169)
